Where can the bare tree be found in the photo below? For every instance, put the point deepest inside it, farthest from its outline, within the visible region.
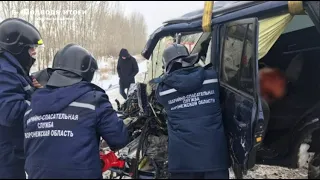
(99, 26)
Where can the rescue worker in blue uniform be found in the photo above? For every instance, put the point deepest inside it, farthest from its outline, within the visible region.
(18, 42)
(197, 145)
(66, 119)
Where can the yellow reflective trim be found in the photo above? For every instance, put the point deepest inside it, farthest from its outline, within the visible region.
(40, 42)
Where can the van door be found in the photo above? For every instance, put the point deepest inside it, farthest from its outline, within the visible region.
(241, 104)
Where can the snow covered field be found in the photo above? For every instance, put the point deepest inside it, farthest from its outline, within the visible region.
(111, 85)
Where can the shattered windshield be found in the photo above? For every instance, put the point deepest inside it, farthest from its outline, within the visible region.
(189, 41)
(155, 68)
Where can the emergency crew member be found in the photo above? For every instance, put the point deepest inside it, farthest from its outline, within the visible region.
(18, 42)
(66, 119)
(190, 95)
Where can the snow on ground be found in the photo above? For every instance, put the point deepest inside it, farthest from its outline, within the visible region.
(274, 172)
(265, 172)
(258, 172)
(111, 85)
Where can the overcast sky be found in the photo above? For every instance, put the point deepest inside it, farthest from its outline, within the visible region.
(156, 12)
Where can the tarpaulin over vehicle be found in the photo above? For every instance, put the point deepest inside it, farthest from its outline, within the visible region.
(270, 30)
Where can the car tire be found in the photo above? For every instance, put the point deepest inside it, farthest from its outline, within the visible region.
(314, 167)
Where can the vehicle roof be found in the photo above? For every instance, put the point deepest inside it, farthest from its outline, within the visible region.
(217, 5)
(192, 22)
(219, 8)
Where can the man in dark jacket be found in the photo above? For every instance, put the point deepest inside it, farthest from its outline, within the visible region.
(66, 119)
(18, 42)
(127, 69)
(190, 95)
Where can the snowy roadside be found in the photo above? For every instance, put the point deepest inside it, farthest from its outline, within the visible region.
(258, 172)
(111, 85)
(274, 172)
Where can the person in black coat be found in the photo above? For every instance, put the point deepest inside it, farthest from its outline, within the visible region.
(127, 69)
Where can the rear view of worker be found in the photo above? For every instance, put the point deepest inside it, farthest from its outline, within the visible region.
(66, 119)
(197, 146)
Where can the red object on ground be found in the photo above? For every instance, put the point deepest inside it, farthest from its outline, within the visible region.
(272, 84)
(110, 160)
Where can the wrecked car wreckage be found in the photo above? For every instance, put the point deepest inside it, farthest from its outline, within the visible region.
(276, 134)
(145, 156)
